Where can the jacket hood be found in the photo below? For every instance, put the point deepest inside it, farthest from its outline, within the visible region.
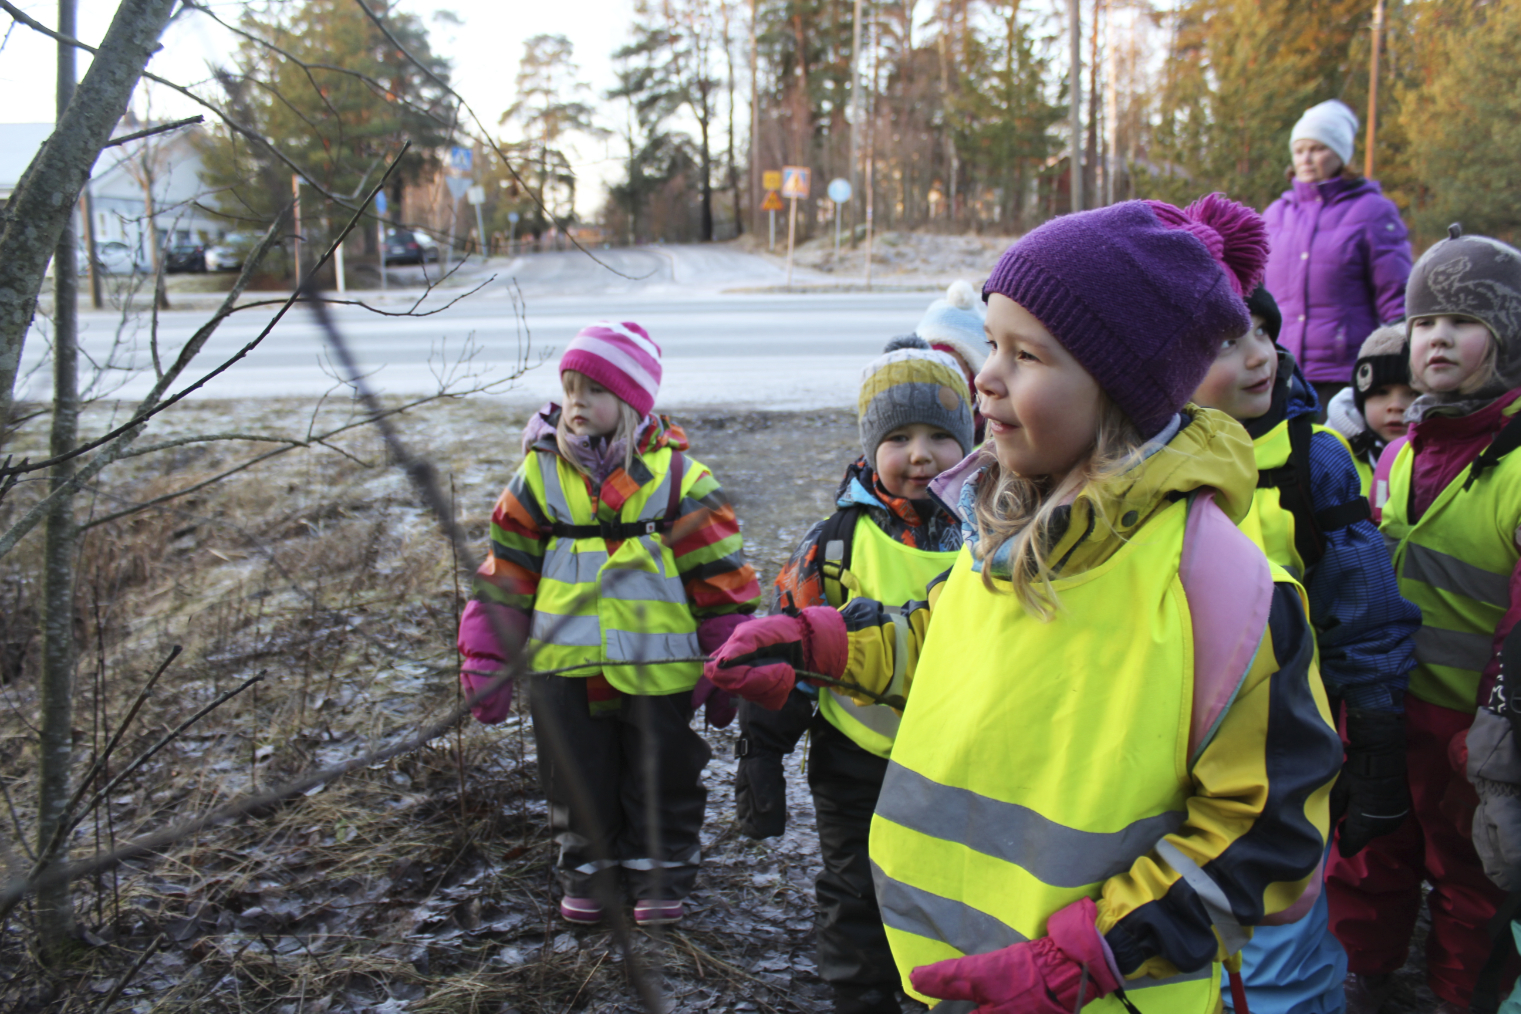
(1203, 449)
(1293, 396)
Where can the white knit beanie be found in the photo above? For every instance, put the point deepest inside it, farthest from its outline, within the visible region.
(1333, 124)
(955, 324)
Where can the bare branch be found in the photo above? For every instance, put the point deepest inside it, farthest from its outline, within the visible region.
(162, 128)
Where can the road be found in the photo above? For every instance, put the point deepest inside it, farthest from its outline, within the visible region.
(746, 349)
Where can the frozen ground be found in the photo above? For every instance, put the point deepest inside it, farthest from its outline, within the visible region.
(730, 337)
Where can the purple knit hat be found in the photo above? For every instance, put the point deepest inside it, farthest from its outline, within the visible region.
(1141, 293)
(620, 357)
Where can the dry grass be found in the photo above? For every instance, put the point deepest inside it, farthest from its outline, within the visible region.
(421, 884)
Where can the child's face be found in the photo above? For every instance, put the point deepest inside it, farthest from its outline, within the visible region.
(1446, 351)
(910, 456)
(1240, 381)
(1041, 406)
(590, 410)
(1384, 410)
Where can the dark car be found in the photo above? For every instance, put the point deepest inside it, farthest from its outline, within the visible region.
(403, 246)
(184, 255)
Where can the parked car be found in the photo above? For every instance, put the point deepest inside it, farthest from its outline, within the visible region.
(184, 255)
(404, 246)
(228, 254)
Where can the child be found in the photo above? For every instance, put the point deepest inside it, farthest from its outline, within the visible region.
(1318, 530)
(1086, 787)
(954, 325)
(610, 543)
(1371, 413)
(1451, 509)
(887, 541)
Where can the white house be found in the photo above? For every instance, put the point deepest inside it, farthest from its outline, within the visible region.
(164, 168)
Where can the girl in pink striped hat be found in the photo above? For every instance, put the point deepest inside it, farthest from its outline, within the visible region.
(615, 556)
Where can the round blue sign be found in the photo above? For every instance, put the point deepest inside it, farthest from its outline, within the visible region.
(839, 191)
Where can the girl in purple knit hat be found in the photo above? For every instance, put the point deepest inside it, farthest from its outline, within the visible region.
(1115, 751)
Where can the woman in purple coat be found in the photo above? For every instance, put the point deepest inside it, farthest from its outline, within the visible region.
(1340, 254)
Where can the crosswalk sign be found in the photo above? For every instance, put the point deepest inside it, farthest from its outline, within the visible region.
(794, 181)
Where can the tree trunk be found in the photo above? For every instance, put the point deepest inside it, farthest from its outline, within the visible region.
(707, 179)
(44, 201)
(55, 913)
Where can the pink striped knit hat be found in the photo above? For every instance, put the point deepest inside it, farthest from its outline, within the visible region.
(620, 357)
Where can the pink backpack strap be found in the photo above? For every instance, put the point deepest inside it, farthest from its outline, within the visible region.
(1378, 493)
(1230, 592)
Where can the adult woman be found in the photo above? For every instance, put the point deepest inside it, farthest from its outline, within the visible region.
(1340, 254)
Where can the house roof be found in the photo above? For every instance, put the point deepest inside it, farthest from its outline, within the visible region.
(19, 142)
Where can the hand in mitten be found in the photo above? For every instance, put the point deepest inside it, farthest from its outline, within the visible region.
(719, 707)
(490, 634)
(760, 794)
(759, 662)
(1036, 977)
(1372, 793)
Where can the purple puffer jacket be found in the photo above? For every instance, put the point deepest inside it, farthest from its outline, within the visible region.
(1339, 262)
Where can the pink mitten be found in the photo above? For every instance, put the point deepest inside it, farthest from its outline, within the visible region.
(1037, 977)
(718, 704)
(759, 662)
(482, 631)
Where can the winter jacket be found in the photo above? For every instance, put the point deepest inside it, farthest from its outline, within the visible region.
(1363, 626)
(799, 584)
(1338, 263)
(1343, 417)
(705, 542)
(1254, 823)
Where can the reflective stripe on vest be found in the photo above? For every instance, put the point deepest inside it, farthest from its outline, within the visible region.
(968, 856)
(883, 570)
(627, 605)
(1455, 564)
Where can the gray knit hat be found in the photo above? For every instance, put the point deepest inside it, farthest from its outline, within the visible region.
(912, 383)
(1478, 277)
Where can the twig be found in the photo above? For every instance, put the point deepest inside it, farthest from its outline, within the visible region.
(121, 984)
(160, 129)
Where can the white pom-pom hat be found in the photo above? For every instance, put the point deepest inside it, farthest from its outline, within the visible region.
(954, 324)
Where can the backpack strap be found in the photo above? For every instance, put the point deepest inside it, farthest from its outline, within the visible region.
(1507, 440)
(1293, 481)
(1381, 473)
(835, 543)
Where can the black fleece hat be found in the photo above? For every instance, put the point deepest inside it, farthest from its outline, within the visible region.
(1262, 304)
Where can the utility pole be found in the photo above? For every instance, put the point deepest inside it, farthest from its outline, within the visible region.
(1378, 43)
(855, 93)
(1075, 88)
(54, 907)
(755, 126)
(87, 214)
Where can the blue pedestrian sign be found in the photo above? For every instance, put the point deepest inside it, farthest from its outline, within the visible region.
(461, 159)
(512, 216)
(380, 202)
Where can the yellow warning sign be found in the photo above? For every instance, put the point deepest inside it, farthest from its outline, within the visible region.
(773, 201)
(771, 179)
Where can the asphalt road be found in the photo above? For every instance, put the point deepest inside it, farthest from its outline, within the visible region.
(750, 349)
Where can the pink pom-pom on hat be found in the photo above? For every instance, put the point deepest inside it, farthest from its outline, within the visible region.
(621, 357)
(1234, 235)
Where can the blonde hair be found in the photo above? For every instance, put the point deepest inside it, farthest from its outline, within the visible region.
(1019, 511)
(627, 430)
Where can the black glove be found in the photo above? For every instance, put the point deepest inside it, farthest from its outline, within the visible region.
(760, 792)
(1372, 793)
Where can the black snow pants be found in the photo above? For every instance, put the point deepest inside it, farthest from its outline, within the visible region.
(853, 954)
(611, 753)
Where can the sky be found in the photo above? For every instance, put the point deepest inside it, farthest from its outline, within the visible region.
(485, 49)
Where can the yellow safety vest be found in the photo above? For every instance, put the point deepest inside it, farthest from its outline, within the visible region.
(625, 607)
(884, 570)
(1269, 523)
(970, 851)
(1455, 564)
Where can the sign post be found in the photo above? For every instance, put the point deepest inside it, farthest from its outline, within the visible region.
(380, 229)
(771, 181)
(476, 195)
(839, 192)
(512, 234)
(794, 186)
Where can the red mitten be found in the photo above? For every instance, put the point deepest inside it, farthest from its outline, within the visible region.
(1038, 977)
(719, 705)
(759, 661)
(490, 634)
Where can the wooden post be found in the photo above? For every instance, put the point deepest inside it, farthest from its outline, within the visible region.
(295, 188)
(1075, 87)
(791, 232)
(1378, 43)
